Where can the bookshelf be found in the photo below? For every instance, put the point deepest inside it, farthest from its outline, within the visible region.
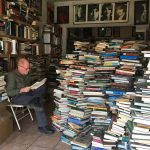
(52, 36)
(19, 30)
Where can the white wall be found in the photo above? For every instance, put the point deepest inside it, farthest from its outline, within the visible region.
(71, 3)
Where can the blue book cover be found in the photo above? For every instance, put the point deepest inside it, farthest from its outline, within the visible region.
(77, 121)
(128, 57)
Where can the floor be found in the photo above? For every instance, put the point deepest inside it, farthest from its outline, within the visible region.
(29, 138)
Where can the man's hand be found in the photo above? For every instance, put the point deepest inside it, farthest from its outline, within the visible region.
(25, 90)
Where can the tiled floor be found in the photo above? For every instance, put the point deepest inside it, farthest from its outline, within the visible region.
(29, 138)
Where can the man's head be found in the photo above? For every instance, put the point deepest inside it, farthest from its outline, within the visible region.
(23, 66)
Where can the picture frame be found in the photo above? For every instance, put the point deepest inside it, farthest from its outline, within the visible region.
(141, 12)
(121, 12)
(116, 31)
(80, 13)
(140, 36)
(37, 4)
(50, 13)
(93, 13)
(107, 10)
(63, 14)
(105, 31)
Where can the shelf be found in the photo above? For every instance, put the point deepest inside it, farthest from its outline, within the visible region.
(17, 38)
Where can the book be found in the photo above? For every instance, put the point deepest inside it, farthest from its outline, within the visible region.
(82, 140)
(38, 84)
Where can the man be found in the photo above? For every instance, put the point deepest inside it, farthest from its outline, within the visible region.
(18, 88)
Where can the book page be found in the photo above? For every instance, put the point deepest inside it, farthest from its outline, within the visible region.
(38, 84)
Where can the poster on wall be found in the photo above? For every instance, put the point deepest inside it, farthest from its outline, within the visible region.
(141, 12)
(121, 12)
(93, 12)
(101, 12)
(63, 14)
(79, 13)
(107, 12)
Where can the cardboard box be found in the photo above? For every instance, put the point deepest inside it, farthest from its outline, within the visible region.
(6, 125)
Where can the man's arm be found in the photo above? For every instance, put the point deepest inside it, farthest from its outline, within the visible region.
(11, 87)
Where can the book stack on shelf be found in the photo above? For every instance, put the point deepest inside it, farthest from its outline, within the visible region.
(3, 94)
(19, 29)
(38, 70)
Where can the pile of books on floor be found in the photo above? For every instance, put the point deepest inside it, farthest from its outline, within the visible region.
(139, 128)
(90, 82)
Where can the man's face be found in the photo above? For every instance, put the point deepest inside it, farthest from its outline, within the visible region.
(24, 68)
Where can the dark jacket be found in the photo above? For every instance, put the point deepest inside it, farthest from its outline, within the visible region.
(16, 81)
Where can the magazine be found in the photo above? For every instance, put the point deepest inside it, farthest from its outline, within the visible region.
(37, 84)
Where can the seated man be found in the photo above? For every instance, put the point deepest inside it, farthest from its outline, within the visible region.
(18, 82)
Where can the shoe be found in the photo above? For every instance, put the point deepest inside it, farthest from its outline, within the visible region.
(51, 128)
(45, 130)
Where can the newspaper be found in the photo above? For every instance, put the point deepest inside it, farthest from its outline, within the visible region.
(37, 84)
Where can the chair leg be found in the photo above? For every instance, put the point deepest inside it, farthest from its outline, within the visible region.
(30, 113)
(15, 117)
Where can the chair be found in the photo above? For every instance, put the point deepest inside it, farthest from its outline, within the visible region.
(19, 112)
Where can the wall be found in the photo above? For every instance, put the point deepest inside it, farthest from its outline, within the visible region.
(71, 3)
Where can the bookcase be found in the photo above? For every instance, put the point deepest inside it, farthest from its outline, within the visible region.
(52, 37)
(19, 30)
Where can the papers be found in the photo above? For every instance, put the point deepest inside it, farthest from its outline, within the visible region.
(36, 85)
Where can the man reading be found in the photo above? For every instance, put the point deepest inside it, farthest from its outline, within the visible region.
(18, 88)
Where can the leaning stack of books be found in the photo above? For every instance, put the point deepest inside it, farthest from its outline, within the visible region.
(59, 119)
(140, 126)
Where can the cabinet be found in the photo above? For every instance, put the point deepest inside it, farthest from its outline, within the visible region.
(52, 35)
(19, 30)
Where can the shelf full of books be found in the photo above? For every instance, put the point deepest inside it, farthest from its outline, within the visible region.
(52, 35)
(19, 29)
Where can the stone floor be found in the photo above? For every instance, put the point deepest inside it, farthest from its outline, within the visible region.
(29, 138)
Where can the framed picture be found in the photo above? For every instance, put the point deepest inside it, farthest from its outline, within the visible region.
(93, 12)
(121, 12)
(140, 35)
(105, 32)
(50, 13)
(141, 12)
(116, 31)
(106, 12)
(37, 4)
(63, 14)
(80, 13)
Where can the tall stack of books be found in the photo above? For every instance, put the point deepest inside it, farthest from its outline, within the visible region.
(140, 109)
(60, 115)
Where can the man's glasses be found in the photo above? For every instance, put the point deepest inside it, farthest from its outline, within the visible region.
(25, 68)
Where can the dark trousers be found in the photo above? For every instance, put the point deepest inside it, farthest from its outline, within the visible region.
(33, 98)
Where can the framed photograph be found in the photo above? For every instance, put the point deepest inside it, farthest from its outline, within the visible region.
(38, 5)
(106, 12)
(80, 13)
(121, 12)
(116, 31)
(50, 13)
(140, 36)
(141, 12)
(63, 14)
(105, 32)
(93, 12)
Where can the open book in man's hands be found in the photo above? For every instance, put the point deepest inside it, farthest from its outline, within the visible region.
(37, 84)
